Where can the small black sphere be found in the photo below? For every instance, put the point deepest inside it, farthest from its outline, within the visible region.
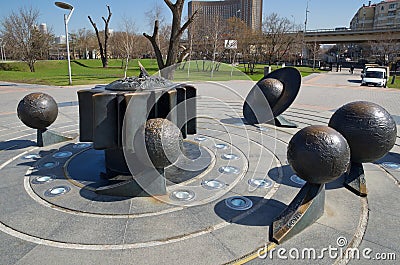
(37, 110)
(163, 142)
(272, 89)
(368, 128)
(318, 154)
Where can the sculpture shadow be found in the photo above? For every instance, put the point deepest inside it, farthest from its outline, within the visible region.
(390, 157)
(288, 172)
(356, 81)
(89, 194)
(16, 144)
(262, 213)
(234, 120)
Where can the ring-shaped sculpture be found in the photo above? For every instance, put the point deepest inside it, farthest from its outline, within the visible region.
(278, 89)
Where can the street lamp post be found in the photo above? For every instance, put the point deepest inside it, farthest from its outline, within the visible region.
(305, 31)
(66, 20)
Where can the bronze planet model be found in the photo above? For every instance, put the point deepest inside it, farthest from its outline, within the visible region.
(37, 110)
(370, 131)
(271, 96)
(318, 154)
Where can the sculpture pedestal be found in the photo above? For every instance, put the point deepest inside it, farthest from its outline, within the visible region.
(45, 137)
(355, 179)
(304, 210)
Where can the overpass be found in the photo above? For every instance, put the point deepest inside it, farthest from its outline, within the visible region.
(344, 35)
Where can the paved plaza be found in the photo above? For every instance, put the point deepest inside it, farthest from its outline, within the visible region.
(81, 227)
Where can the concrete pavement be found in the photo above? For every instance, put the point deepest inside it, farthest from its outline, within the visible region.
(80, 228)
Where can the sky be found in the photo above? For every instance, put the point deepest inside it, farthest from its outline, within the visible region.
(323, 14)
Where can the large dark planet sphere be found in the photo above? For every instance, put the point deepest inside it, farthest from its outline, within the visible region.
(37, 110)
(272, 89)
(163, 142)
(368, 128)
(318, 154)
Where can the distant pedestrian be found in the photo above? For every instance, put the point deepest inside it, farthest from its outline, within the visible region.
(352, 69)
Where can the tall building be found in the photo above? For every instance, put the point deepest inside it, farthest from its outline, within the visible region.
(250, 11)
(380, 15)
(43, 28)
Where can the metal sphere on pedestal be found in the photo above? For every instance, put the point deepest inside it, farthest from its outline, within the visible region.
(318, 154)
(37, 110)
(368, 128)
(163, 142)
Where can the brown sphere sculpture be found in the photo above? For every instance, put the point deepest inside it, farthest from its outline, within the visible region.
(368, 128)
(318, 154)
(37, 110)
(163, 142)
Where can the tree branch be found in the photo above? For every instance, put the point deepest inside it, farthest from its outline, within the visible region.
(153, 41)
(188, 22)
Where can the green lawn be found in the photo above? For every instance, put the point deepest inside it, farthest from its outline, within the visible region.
(91, 72)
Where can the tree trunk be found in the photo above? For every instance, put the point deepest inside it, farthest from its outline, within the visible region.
(103, 50)
(176, 33)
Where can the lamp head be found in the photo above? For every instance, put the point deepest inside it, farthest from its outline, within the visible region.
(64, 5)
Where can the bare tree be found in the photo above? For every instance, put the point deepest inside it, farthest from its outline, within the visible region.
(176, 32)
(385, 48)
(278, 36)
(21, 31)
(103, 48)
(128, 40)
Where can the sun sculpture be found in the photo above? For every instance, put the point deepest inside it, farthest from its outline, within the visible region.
(133, 119)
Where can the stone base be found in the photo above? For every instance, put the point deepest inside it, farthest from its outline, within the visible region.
(46, 137)
(355, 180)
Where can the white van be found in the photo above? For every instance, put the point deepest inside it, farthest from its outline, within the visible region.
(376, 76)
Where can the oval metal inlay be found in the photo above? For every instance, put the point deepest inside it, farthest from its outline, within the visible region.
(31, 156)
(221, 146)
(229, 170)
(63, 154)
(260, 183)
(81, 145)
(296, 179)
(49, 165)
(42, 179)
(239, 203)
(200, 138)
(213, 184)
(230, 157)
(182, 195)
(57, 191)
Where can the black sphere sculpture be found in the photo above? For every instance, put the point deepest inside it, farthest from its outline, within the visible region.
(318, 154)
(37, 110)
(163, 142)
(370, 131)
(276, 91)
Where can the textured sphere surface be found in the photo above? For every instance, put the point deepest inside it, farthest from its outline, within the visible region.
(368, 128)
(318, 154)
(163, 142)
(272, 89)
(37, 110)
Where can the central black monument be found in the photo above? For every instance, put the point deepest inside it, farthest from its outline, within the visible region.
(110, 114)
